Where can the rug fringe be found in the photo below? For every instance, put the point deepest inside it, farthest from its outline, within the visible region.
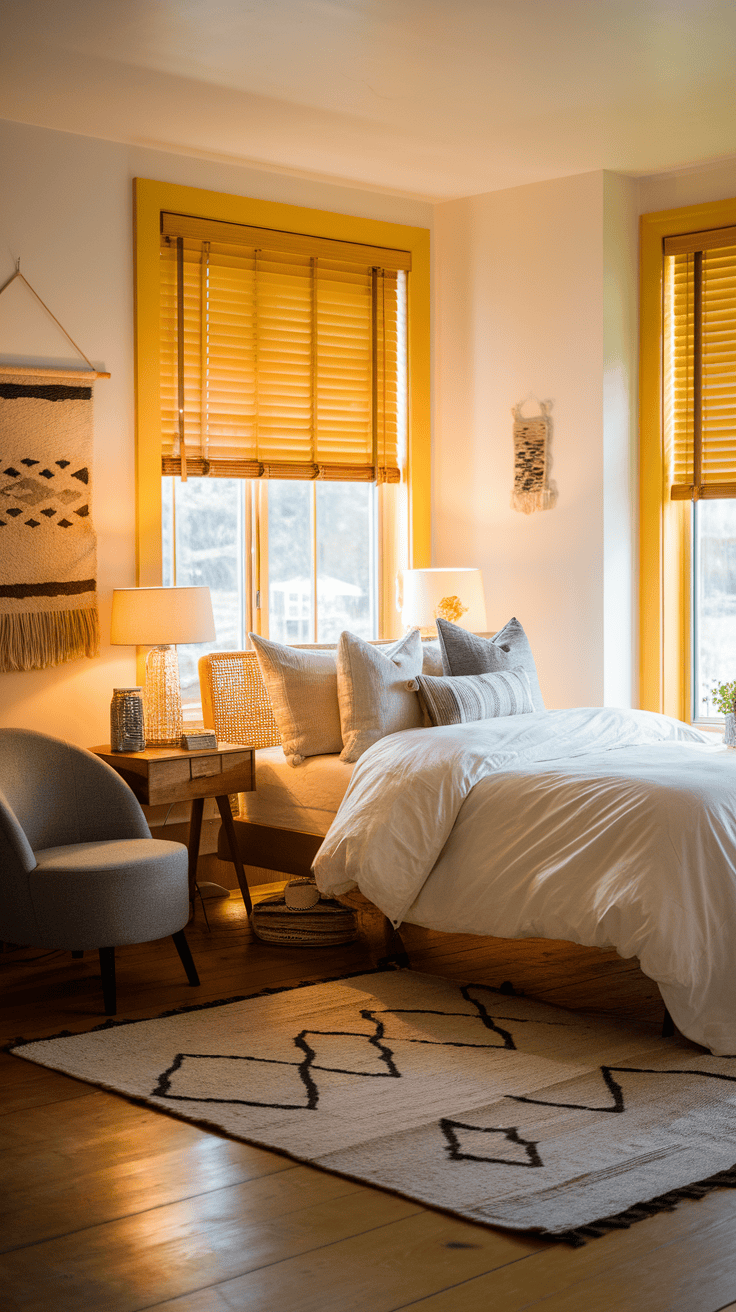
(642, 1211)
(34, 640)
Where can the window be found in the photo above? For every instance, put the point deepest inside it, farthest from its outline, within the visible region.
(291, 437)
(688, 457)
(699, 409)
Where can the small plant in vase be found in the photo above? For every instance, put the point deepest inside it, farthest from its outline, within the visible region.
(724, 700)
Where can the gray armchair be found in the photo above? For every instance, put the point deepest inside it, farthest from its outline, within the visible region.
(78, 866)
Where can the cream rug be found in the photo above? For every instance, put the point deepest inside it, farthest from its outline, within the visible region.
(496, 1108)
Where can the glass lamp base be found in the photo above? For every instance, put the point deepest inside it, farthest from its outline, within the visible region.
(163, 717)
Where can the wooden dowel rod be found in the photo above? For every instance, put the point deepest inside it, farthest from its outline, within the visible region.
(26, 371)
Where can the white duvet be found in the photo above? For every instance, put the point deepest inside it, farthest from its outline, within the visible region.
(605, 827)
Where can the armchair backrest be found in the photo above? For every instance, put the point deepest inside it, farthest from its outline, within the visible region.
(61, 794)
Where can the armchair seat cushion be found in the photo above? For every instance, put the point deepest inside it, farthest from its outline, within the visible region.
(126, 890)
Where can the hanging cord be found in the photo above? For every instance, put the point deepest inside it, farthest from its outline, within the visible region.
(22, 277)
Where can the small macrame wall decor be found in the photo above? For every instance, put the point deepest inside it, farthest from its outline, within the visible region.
(533, 489)
(48, 548)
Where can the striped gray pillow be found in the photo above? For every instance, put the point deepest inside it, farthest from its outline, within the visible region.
(466, 697)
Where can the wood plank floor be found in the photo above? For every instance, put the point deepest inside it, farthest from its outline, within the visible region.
(106, 1205)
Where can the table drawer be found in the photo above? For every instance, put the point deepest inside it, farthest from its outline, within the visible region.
(204, 766)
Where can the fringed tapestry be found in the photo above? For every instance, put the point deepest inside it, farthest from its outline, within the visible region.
(48, 548)
(532, 487)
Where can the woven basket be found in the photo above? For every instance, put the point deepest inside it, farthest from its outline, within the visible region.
(326, 924)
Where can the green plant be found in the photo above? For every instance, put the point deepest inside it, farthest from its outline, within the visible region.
(724, 697)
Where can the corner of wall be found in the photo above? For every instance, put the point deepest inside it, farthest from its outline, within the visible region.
(620, 440)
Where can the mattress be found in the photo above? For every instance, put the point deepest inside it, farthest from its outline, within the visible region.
(304, 797)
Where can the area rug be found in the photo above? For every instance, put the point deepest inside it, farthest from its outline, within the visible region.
(493, 1107)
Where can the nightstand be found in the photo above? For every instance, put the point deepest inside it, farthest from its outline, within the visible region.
(172, 774)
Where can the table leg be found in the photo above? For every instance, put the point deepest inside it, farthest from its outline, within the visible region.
(227, 822)
(195, 831)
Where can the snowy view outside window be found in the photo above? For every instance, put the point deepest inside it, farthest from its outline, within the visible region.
(320, 538)
(344, 569)
(714, 600)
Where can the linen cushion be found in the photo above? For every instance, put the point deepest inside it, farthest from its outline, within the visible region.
(432, 658)
(302, 686)
(373, 690)
(467, 653)
(466, 697)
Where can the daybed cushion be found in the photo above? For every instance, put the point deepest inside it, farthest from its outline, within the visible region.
(467, 653)
(475, 696)
(374, 692)
(305, 799)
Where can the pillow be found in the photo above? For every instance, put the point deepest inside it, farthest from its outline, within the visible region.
(302, 686)
(373, 690)
(432, 658)
(466, 653)
(465, 697)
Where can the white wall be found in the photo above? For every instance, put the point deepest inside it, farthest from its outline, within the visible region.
(519, 284)
(66, 210)
(694, 186)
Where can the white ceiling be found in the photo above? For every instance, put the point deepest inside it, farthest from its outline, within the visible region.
(428, 98)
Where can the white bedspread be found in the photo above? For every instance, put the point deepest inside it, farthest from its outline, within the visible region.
(609, 828)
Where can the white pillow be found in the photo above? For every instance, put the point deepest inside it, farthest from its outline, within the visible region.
(432, 658)
(374, 692)
(302, 686)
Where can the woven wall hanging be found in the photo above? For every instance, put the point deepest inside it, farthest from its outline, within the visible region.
(48, 548)
(533, 489)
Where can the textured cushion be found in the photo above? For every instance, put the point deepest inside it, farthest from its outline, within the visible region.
(466, 653)
(302, 686)
(432, 658)
(91, 895)
(475, 696)
(373, 690)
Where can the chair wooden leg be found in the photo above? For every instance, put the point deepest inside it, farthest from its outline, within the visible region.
(182, 947)
(668, 1025)
(107, 969)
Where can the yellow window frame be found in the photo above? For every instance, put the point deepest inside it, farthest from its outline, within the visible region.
(665, 658)
(150, 198)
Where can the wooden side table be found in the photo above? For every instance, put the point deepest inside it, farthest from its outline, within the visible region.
(172, 774)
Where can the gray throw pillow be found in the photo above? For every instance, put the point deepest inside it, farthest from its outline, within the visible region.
(466, 697)
(467, 653)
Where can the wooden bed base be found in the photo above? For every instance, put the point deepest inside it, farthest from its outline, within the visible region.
(293, 852)
(287, 850)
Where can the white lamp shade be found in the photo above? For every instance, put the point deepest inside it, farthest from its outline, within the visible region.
(157, 617)
(424, 589)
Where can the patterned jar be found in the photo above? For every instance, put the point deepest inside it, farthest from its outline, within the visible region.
(126, 720)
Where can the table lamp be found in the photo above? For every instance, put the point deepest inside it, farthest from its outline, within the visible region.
(160, 618)
(452, 594)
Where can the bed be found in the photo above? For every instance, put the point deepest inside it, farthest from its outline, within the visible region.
(609, 828)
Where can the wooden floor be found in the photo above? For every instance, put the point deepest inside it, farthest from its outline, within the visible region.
(111, 1207)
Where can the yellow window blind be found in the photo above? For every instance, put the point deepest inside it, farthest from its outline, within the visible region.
(699, 401)
(282, 355)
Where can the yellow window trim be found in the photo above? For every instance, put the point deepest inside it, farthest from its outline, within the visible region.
(150, 199)
(664, 525)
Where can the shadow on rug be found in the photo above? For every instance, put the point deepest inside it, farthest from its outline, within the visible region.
(489, 1106)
